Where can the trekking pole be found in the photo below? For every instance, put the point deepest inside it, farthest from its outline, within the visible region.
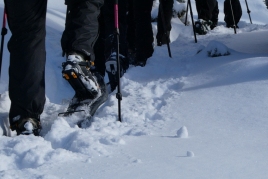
(191, 12)
(118, 94)
(248, 11)
(187, 7)
(3, 33)
(164, 27)
(233, 16)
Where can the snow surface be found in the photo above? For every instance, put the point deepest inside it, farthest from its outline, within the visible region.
(220, 105)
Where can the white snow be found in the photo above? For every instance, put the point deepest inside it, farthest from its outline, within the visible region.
(190, 154)
(182, 132)
(221, 100)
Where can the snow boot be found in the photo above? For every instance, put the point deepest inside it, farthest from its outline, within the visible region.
(27, 126)
(202, 27)
(78, 73)
(111, 69)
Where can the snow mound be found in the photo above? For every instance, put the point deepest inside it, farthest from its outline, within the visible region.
(182, 132)
(214, 49)
(190, 154)
(4, 102)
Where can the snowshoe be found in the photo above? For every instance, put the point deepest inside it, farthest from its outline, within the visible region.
(89, 106)
(202, 27)
(90, 89)
(27, 126)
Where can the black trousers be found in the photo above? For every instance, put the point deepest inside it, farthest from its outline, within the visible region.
(26, 21)
(139, 32)
(237, 12)
(82, 27)
(167, 10)
(207, 10)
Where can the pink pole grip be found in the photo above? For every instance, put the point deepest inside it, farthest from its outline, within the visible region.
(4, 18)
(116, 22)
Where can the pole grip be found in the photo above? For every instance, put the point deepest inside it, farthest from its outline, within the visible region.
(4, 19)
(116, 21)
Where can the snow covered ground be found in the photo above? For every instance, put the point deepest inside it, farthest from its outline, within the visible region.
(191, 116)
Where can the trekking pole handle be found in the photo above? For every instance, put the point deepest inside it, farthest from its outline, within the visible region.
(3, 33)
(116, 21)
(4, 29)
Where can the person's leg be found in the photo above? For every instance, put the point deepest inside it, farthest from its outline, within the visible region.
(78, 40)
(205, 8)
(99, 46)
(215, 14)
(144, 32)
(26, 21)
(82, 27)
(230, 16)
(237, 11)
(131, 27)
(167, 8)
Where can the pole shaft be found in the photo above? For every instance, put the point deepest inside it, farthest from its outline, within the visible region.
(186, 16)
(248, 11)
(118, 94)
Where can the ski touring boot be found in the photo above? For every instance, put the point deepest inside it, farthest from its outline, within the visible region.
(111, 69)
(86, 84)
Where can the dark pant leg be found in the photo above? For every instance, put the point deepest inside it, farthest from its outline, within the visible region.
(144, 33)
(215, 14)
(131, 27)
(26, 21)
(205, 8)
(81, 29)
(99, 46)
(167, 9)
(237, 12)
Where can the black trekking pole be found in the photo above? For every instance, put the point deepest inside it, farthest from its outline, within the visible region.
(118, 94)
(164, 27)
(233, 16)
(187, 7)
(248, 11)
(191, 12)
(3, 33)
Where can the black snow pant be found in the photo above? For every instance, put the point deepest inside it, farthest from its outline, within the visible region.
(208, 10)
(82, 27)
(139, 32)
(26, 20)
(99, 47)
(167, 10)
(237, 12)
